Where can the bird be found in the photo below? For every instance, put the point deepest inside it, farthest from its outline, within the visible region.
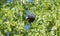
(30, 17)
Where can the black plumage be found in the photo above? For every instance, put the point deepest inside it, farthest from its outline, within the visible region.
(31, 18)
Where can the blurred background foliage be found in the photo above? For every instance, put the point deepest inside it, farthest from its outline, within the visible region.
(46, 23)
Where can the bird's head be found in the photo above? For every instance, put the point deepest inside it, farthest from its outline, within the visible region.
(31, 18)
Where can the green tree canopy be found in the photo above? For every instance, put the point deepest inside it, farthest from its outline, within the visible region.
(46, 23)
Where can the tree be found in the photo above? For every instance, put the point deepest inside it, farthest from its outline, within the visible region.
(46, 23)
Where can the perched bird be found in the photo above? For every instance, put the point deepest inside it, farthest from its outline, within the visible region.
(30, 17)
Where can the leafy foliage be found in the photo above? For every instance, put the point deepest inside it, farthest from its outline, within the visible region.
(46, 23)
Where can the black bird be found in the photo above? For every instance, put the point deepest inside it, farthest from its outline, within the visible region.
(30, 17)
